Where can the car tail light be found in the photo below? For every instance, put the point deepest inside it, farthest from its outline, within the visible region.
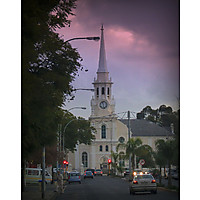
(95, 172)
(84, 174)
(135, 182)
(92, 173)
(153, 181)
(79, 177)
(101, 172)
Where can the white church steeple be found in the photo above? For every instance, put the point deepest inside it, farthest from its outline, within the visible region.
(102, 55)
(102, 102)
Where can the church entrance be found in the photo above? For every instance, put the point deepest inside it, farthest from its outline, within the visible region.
(104, 164)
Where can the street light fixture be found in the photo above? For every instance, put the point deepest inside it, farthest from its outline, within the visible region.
(85, 38)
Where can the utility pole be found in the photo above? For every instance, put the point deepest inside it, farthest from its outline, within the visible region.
(129, 137)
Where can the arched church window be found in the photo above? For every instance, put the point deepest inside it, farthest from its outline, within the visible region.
(102, 91)
(106, 147)
(103, 131)
(108, 91)
(97, 91)
(85, 159)
(100, 148)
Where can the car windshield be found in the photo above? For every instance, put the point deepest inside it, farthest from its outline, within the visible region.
(98, 170)
(145, 176)
(88, 172)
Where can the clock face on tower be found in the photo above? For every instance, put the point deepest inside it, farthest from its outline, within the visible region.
(103, 104)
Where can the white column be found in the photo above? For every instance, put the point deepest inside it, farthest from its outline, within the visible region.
(93, 156)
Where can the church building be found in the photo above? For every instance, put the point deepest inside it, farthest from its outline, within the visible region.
(109, 130)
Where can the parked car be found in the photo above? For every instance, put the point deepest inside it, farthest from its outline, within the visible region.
(34, 175)
(143, 183)
(98, 172)
(74, 177)
(126, 171)
(88, 174)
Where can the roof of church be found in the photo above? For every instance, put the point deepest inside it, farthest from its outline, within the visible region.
(102, 55)
(141, 127)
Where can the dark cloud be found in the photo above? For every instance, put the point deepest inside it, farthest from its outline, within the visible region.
(157, 20)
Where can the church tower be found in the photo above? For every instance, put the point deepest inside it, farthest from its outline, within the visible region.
(109, 130)
(102, 116)
(102, 102)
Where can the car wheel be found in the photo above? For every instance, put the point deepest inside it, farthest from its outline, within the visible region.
(79, 182)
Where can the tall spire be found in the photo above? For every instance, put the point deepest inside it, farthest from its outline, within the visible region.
(102, 55)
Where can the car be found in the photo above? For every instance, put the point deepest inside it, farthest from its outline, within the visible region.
(74, 177)
(143, 183)
(98, 172)
(126, 171)
(88, 174)
(92, 170)
(34, 175)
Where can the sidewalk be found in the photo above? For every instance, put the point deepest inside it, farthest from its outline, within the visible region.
(32, 192)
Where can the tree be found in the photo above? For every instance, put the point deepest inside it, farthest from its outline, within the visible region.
(165, 150)
(115, 157)
(132, 148)
(78, 131)
(49, 65)
(145, 152)
(159, 161)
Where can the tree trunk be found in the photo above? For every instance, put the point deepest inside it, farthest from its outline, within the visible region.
(169, 176)
(160, 176)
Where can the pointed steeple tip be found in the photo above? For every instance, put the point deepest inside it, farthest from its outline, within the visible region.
(102, 27)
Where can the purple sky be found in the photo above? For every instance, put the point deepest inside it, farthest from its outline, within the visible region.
(142, 51)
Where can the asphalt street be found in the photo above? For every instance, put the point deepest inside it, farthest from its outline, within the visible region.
(108, 188)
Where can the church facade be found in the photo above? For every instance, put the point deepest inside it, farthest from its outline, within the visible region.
(109, 130)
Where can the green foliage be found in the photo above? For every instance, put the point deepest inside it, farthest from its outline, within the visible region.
(78, 130)
(49, 65)
(145, 152)
(133, 147)
(166, 151)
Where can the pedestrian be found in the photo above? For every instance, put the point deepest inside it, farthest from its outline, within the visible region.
(60, 182)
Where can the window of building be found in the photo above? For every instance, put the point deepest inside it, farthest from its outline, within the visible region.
(106, 147)
(102, 90)
(100, 148)
(103, 131)
(108, 91)
(85, 159)
(121, 140)
(97, 91)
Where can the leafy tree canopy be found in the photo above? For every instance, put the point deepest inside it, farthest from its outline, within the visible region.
(49, 65)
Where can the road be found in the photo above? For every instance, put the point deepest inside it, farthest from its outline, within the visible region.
(108, 188)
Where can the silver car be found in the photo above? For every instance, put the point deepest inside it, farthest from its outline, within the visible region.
(98, 172)
(143, 183)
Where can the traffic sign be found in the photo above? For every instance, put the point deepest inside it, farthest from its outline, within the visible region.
(142, 162)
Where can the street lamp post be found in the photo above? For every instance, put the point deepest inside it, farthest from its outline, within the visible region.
(83, 108)
(60, 132)
(84, 38)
